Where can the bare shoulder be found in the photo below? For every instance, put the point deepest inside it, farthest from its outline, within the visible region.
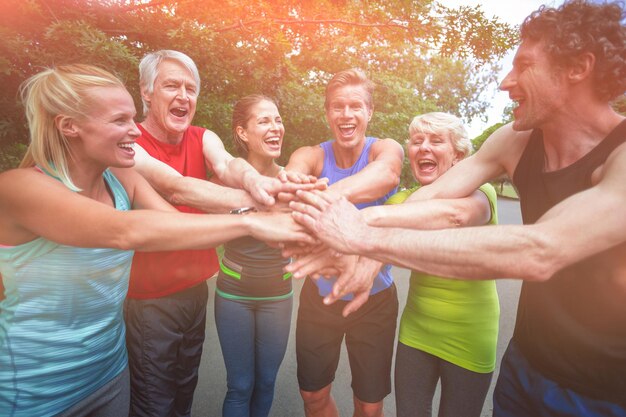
(14, 179)
(505, 147)
(129, 178)
(307, 160)
(210, 136)
(613, 171)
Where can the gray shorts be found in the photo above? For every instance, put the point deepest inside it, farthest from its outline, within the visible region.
(112, 400)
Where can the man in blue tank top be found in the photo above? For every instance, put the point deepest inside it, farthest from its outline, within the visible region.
(566, 154)
(366, 171)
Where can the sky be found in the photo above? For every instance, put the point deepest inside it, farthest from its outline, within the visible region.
(508, 11)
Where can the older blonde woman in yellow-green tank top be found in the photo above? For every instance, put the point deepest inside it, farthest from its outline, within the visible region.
(449, 328)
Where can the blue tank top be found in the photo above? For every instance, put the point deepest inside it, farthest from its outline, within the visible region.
(334, 174)
(62, 334)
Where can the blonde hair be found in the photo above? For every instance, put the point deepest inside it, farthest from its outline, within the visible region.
(440, 123)
(62, 90)
(352, 76)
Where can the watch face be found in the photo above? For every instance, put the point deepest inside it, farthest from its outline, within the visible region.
(243, 210)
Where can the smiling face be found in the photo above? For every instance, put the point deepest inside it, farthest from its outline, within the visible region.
(536, 85)
(430, 155)
(172, 102)
(348, 114)
(105, 135)
(264, 131)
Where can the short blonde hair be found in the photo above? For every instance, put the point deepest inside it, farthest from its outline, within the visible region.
(441, 123)
(352, 76)
(62, 90)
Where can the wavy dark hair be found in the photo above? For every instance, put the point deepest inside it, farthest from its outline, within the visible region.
(578, 27)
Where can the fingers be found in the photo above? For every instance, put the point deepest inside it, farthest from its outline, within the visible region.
(292, 187)
(283, 176)
(356, 303)
(314, 198)
(304, 219)
(304, 238)
(263, 197)
(307, 265)
(321, 184)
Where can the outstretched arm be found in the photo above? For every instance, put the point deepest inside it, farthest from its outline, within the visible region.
(474, 210)
(379, 177)
(189, 191)
(238, 173)
(27, 199)
(484, 252)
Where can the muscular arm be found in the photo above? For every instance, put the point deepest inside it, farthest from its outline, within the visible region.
(474, 210)
(532, 252)
(188, 191)
(380, 175)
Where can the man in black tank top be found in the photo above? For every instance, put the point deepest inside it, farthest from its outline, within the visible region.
(566, 154)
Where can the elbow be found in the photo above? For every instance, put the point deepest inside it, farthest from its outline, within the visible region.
(128, 237)
(126, 241)
(391, 179)
(173, 191)
(459, 214)
(458, 218)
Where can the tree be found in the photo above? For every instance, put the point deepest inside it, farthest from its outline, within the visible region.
(422, 56)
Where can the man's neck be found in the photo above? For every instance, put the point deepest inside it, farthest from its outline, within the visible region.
(160, 133)
(345, 157)
(574, 135)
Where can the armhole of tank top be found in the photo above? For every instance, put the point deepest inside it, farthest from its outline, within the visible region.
(527, 154)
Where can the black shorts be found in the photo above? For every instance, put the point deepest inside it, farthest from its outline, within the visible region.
(369, 332)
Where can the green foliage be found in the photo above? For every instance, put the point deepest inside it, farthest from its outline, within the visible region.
(422, 57)
(11, 155)
(478, 141)
(619, 105)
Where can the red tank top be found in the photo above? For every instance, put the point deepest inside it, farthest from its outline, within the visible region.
(156, 274)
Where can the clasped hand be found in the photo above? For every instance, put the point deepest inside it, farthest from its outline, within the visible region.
(330, 218)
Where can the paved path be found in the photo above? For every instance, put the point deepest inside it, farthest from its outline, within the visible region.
(287, 402)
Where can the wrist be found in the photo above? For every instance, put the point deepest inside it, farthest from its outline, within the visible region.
(367, 244)
(249, 180)
(248, 223)
(243, 210)
(371, 215)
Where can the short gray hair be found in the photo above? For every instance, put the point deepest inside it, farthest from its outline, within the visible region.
(149, 69)
(438, 123)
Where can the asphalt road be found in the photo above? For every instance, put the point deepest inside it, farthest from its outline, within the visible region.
(287, 402)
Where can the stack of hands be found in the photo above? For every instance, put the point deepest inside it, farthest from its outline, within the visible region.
(319, 229)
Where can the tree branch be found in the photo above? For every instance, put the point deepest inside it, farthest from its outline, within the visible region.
(243, 25)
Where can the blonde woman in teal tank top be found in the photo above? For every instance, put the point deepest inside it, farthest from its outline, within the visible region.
(67, 235)
(449, 328)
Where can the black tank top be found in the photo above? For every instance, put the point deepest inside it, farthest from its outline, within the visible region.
(572, 328)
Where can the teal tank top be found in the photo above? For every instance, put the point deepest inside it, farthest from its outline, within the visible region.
(62, 334)
(455, 320)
